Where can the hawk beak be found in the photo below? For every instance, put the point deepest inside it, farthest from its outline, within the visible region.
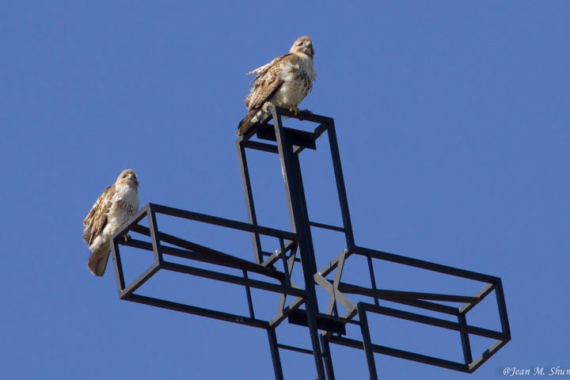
(134, 177)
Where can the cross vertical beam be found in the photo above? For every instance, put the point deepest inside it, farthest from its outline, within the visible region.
(273, 347)
(298, 213)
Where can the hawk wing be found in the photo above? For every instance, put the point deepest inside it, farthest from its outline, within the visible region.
(268, 79)
(96, 220)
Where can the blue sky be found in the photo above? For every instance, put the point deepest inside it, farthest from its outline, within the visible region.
(452, 119)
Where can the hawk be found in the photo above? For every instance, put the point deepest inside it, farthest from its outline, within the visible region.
(283, 82)
(111, 210)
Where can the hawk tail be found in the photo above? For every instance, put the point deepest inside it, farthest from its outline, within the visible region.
(246, 122)
(98, 258)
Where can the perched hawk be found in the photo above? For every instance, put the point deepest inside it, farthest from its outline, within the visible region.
(283, 82)
(113, 208)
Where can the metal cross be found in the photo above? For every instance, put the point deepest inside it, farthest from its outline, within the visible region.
(172, 253)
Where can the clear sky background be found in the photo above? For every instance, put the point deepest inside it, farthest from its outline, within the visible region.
(453, 126)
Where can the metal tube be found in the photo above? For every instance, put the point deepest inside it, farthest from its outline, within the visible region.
(292, 177)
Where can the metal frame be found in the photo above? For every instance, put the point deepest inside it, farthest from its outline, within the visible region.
(339, 292)
(324, 327)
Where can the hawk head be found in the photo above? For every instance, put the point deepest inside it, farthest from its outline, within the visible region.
(128, 177)
(303, 45)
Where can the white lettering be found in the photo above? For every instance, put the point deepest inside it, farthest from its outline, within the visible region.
(558, 371)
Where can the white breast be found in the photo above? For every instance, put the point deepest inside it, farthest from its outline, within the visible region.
(298, 80)
(125, 204)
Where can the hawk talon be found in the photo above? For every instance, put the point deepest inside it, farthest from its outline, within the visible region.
(126, 237)
(294, 110)
(302, 113)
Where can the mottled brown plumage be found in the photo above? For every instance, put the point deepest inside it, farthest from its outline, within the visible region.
(283, 82)
(111, 210)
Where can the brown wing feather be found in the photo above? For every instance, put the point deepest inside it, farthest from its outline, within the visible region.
(96, 220)
(260, 71)
(267, 80)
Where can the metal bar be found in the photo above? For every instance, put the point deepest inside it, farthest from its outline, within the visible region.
(347, 317)
(388, 294)
(248, 295)
(487, 355)
(324, 322)
(283, 313)
(367, 343)
(231, 279)
(277, 254)
(502, 305)
(372, 280)
(334, 293)
(256, 145)
(488, 288)
(327, 226)
(292, 260)
(304, 116)
(223, 316)
(135, 243)
(287, 269)
(249, 202)
(322, 128)
(295, 137)
(275, 357)
(199, 252)
(119, 275)
(298, 149)
(153, 227)
(292, 177)
(433, 306)
(341, 188)
(401, 354)
(465, 343)
(433, 321)
(334, 263)
(291, 265)
(139, 281)
(295, 349)
(220, 258)
(281, 304)
(223, 222)
(283, 249)
(206, 258)
(338, 276)
(340, 267)
(327, 356)
(425, 265)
